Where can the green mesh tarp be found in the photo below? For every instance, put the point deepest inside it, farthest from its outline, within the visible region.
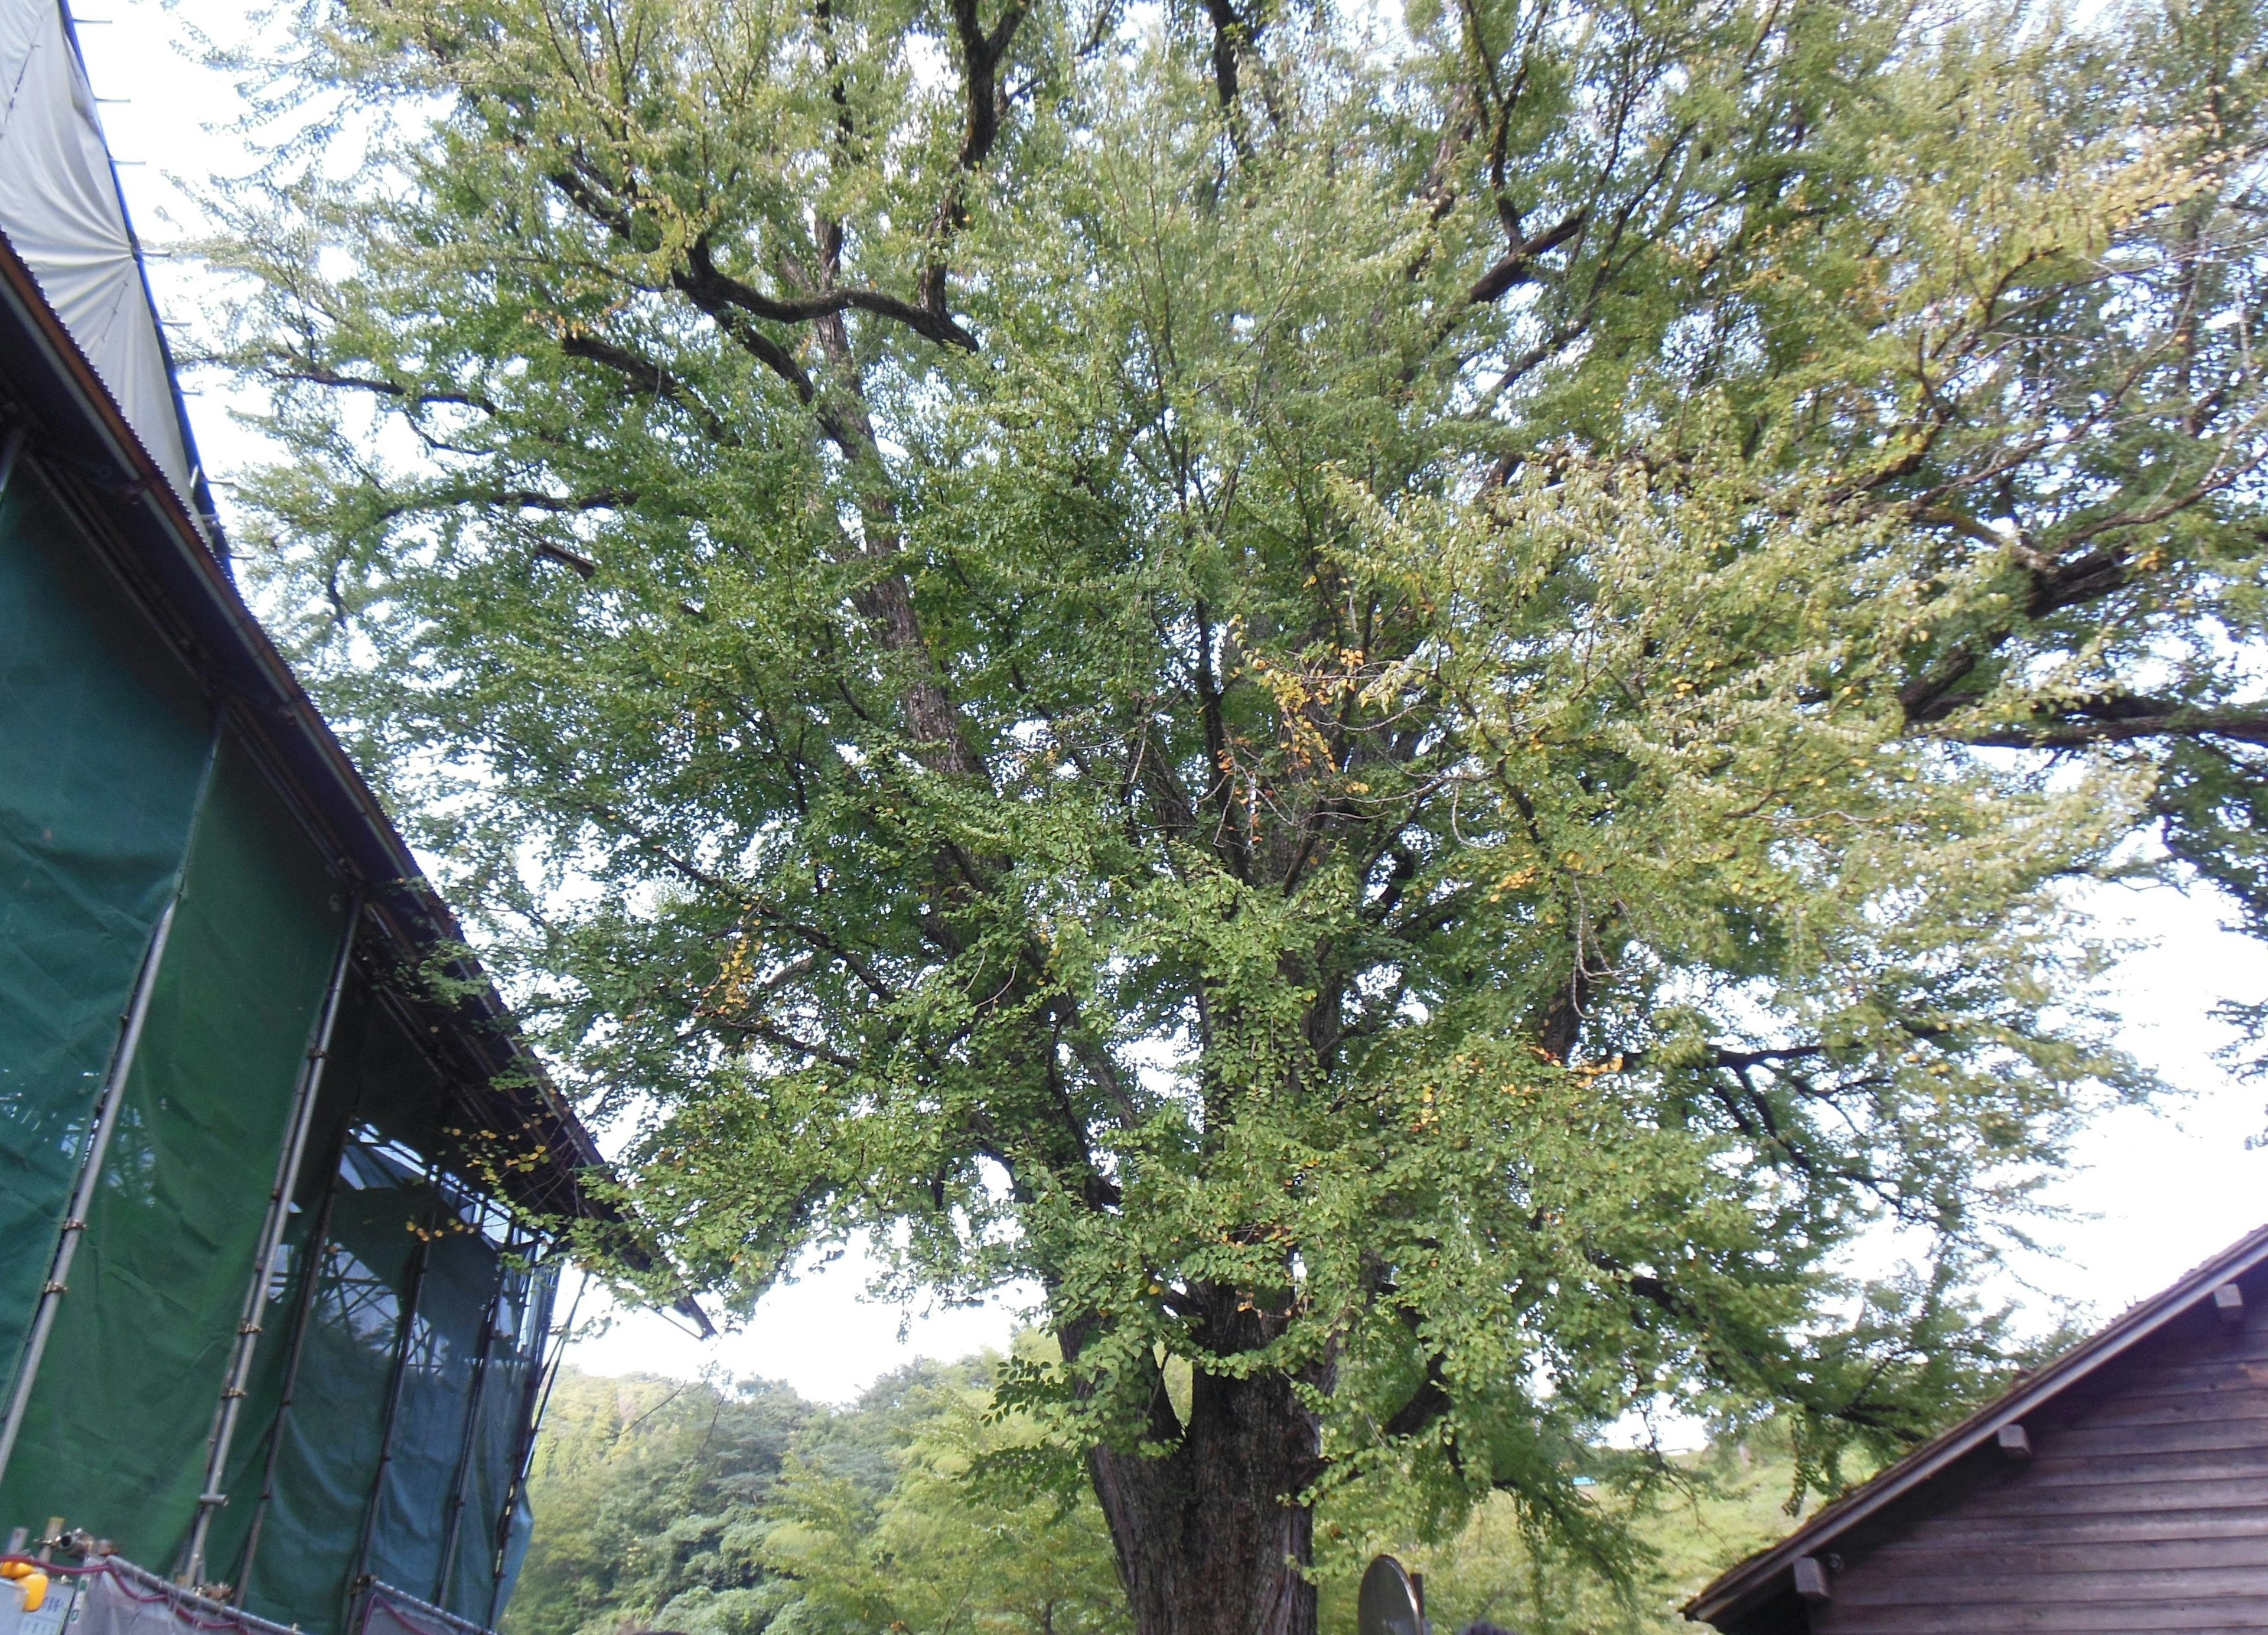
(251, 1454)
(326, 1453)
(116, 792)
(330, 1444)
(515, 1557)
(103, 739)
(338, 1476)
(457, 1433)
(429, 1431)
(247, 1465)
(495, 1447)
(115, 1438)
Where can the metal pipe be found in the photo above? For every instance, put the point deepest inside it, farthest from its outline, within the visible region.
(90, 1176)
(413, 1285)
(541, 1378)
(191, 1611)
(381, 1590)
(319, 1242)
(10, 453)
(471, 1426)
(236, 1382)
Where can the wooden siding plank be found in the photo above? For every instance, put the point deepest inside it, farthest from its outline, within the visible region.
(2247, 1616)
(2182, 1408)
(2050, 1526)
(2119, 1441)
(2013, 1584)
(2113, 1556)
(2203, 1363)
(2051, 1470)
(2183, 1489)
(2252, 1340)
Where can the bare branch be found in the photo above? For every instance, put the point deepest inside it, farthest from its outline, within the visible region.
(651, 379)
(574, 560)
(311, 373)
(2162, 720)
(1513, 267)
(709, 288)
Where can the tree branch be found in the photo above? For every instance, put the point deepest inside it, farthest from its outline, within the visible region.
(709, 288)
(1513, 267)
(574, 561)
(320, 374)
(2156, 719)
(981, 54)
(786, 1041)
(651, 379)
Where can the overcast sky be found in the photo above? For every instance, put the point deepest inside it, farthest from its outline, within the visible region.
(2157, 1192)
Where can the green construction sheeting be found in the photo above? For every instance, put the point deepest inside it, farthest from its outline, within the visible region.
(327, 1458)
(457, 1437)
(103, 740)
(115, 1438)
(461, 1272)
(331, 1441)
(390, 1227)
(494, 1447)
(247, 1462)
(335, 1459)
(515, 1554)
(255, 1430)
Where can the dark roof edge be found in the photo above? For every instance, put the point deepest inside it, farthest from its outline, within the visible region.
(243, 661)
(1740, 1587)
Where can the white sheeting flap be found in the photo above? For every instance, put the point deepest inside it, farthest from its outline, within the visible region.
(60, 208)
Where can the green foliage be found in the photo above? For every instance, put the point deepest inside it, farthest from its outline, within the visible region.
(721, 1510)
(643, 1491)
(1709, 1510)
(946, 1550)
(728, 1511)
(1406, 713)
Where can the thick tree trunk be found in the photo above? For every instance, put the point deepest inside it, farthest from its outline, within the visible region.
(1210, 1538)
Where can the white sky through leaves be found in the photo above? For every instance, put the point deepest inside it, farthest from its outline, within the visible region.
(2164, 1189)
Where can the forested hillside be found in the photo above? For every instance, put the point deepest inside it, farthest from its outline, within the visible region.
(727, 1508)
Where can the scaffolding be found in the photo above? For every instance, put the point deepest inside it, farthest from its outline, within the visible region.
(282, 1215)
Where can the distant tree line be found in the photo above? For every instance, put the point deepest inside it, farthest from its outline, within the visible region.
(735, 1508)
(723, 1508)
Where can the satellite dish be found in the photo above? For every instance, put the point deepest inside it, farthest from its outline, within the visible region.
(1390, 1602)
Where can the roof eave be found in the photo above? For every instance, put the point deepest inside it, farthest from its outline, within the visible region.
(1753, 1581)
(61, 382)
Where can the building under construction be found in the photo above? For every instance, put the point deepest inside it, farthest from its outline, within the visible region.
(280, 1213)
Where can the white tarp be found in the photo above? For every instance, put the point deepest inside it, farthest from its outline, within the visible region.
(60, 208)
(126, 1600)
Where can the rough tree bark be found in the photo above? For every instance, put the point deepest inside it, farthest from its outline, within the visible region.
(1210, 1535)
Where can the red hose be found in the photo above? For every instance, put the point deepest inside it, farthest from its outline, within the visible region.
(55, 1569)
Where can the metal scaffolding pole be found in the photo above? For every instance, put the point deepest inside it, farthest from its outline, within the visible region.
(463, 1473)
(212, 1496)
(541, 1378)
(414, 1284)
(10, 452)
(319, 1242)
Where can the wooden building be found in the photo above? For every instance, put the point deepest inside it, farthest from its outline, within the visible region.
(2123, 1488)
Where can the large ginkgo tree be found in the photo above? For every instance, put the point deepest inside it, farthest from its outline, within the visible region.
(1402, 707)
